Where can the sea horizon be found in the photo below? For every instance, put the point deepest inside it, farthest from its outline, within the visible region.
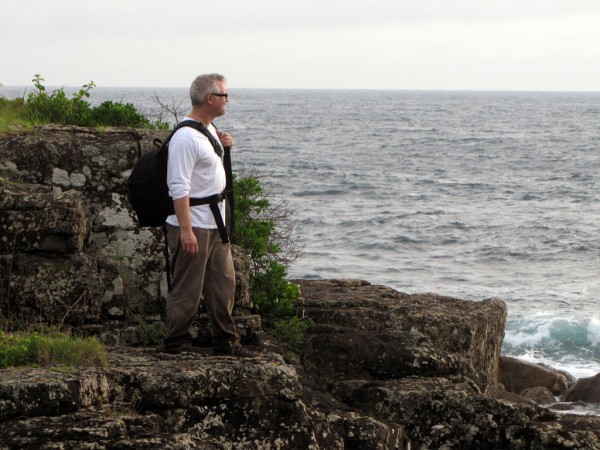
(314, 89)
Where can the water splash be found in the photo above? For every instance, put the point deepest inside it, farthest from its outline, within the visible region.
(566, 343)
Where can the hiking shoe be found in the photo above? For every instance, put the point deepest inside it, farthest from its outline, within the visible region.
(236, 351)
(174, 349)
(162, 348)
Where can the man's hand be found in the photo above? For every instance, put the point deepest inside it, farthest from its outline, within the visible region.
(226, 139)
(187, 238)
(189, 243)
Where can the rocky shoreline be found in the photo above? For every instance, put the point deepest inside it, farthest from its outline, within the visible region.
(380, 369)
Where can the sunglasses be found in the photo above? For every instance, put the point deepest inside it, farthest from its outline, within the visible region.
(221, 95)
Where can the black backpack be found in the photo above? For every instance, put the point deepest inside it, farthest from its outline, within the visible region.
(149, 194)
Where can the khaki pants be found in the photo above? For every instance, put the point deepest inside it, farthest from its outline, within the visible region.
(211, 273)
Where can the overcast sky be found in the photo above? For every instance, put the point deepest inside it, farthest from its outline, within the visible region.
(346, 44)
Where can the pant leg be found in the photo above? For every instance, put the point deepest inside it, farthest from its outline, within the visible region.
(219, 290)
(187, 282)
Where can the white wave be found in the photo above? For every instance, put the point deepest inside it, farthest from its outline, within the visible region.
(534, 330)
(593, 332)
(562, 342)
(576, 367)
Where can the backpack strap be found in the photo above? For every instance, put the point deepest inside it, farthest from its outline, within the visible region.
(167, 259)
(229, 188)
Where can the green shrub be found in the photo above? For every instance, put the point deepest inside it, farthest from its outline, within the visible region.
(270, 291)
(56, 107)
(119, 114)
(41, 107)
(293, 332)
(257, 225)
(253, 226)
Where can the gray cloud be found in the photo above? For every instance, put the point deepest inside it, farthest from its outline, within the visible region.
(435, 44)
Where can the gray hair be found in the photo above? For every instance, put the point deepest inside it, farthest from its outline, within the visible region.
(204, 85)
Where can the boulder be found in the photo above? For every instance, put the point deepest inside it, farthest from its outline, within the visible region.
(369, 331)
(517, 375)
(93, 162)
(72, 289)
(585, 389)
(539, 394)
(511, 397)
(249, 328)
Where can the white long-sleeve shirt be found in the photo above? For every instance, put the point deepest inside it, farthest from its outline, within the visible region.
(195, 169)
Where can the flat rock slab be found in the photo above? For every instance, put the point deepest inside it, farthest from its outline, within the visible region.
(36, 392)
(429, 332)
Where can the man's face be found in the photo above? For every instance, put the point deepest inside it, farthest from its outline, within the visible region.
(219, 99)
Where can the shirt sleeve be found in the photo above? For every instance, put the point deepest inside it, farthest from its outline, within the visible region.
(181, 162)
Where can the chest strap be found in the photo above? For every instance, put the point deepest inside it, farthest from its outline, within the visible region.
(213, 202)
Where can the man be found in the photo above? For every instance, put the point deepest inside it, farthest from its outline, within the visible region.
(202, 263)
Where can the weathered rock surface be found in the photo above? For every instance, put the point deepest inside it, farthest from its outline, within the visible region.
(33, 218)
(428, 363)
(200, 401)
(141, 401)
(70, 250)
(511, 397)
(194, 400)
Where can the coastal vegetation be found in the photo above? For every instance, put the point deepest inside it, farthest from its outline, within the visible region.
(263, 229)
(262, 225)
(43, 107)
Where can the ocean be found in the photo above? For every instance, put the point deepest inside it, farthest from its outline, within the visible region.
(466, 194)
